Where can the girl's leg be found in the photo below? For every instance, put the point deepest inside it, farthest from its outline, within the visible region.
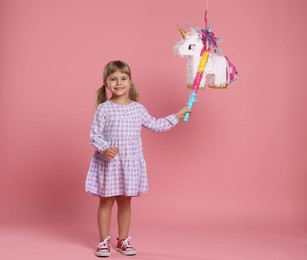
(123, 216)
(104, 216)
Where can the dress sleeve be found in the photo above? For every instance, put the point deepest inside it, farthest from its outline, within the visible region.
(158, 124)
(96, 133)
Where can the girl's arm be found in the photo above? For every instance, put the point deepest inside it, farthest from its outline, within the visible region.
(161, 124)
(96, 133)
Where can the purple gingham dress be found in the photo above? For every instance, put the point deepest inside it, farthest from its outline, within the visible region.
(120, 126)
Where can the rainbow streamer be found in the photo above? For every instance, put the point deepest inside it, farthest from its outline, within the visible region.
(200, 71)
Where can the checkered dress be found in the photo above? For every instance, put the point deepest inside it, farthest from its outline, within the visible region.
(120, 126)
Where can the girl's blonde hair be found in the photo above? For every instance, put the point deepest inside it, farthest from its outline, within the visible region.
(109, 69)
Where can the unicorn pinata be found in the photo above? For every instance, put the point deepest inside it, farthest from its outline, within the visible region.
(206, 66)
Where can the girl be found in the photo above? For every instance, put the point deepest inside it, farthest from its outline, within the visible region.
(117, 170)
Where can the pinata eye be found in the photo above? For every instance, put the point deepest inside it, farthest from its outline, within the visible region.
(191, 47)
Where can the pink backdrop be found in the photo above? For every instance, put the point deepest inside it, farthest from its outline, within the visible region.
(241, 159)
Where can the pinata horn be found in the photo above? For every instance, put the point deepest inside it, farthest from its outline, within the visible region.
(182, 32)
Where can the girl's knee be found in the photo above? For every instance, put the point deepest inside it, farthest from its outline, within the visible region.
(123, 200)
(106, 201)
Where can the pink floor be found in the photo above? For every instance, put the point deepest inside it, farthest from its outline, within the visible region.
(155, 243)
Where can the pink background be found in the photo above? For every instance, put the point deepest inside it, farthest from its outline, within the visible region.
(239, 162)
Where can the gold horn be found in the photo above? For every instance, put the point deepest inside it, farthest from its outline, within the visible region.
(182, 32)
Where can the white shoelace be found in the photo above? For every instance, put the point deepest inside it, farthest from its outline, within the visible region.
(126, 243)
(105, 243)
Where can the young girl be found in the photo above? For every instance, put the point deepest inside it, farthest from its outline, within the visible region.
(118, 171)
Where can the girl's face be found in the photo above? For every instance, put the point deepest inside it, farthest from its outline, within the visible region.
(118, 83)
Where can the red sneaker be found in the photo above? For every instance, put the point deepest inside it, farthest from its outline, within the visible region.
(104, 248)
(125, 248)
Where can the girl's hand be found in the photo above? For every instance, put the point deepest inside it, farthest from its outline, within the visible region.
(180, 114)
(111, 152)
